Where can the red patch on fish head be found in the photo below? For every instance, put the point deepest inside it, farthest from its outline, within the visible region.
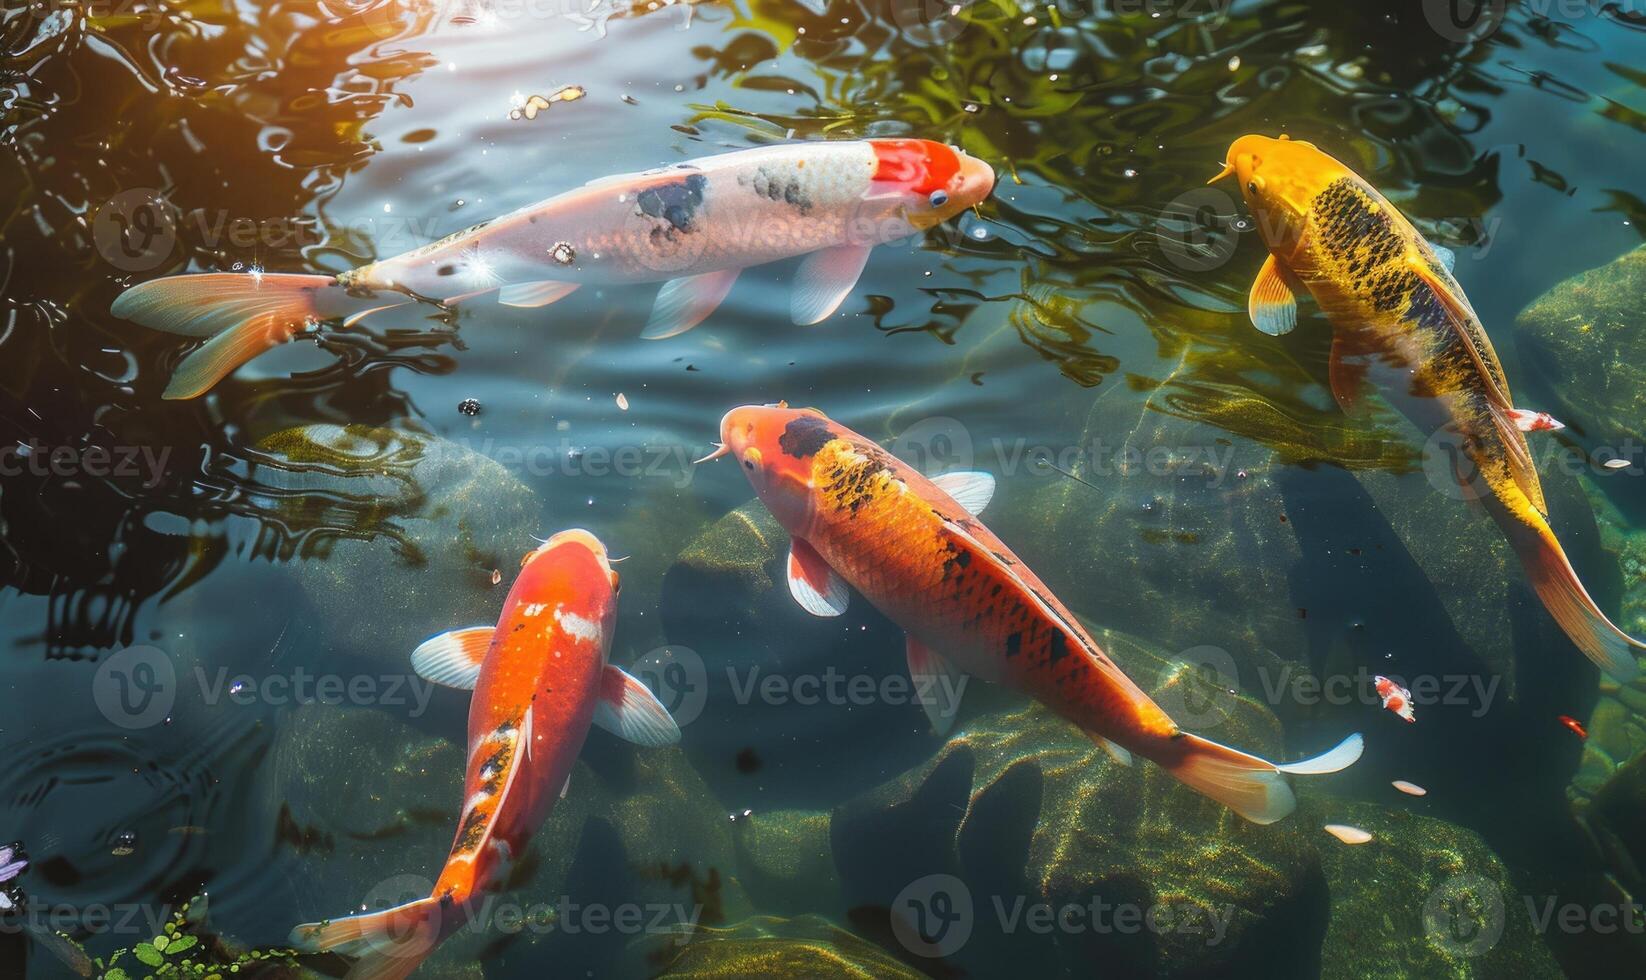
(922, 166)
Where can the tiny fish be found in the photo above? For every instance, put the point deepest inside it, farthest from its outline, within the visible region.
(1576, 727)
(693, 226)
(1400, 321)
(1410, 789)
(622, 402)
(1395, 697)
(860, 518)
(540, 680)
(1348, 834)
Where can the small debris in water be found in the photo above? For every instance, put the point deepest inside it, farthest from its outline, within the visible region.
(1410, 789)
(1348, 834)
(563, 253)
(1576, 726)
(623, 401)
(497, 576)
(125, 844)
(631, 100)
(1615, 464)
(1234, 62)
(527, 107)
(469, 407)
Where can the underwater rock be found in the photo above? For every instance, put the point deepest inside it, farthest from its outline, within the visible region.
(405, 524)
(1582, 341)
(786, 862)
(637, 827)
(1025, 809)
(768, 946)
(1424, 898)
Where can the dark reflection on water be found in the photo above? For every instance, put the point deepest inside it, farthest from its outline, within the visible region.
(334, 134)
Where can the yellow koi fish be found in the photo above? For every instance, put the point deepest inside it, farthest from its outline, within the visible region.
(1402, 323)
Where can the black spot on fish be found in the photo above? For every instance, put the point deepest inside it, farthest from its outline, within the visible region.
(446, 270)
(1057, 648)
(957, 561)
(805, 435)
(676, 203)
(1014, 644)
(776, 185)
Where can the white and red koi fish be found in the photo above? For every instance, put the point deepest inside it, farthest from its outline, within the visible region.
(913, 547)
(693, 226)
(1395, 697)
(1402, 323)
(540, 679)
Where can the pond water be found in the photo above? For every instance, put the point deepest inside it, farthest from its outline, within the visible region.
(1184, 483)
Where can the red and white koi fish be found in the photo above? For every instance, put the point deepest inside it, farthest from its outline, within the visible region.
(912, 546)
(540, 679)
(1395, 697)
(692, 226)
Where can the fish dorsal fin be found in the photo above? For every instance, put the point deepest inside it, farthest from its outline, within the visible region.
(628, 709)
(453, 658)
(938, 684)
(1519, 454)
(818, 588)
(1271, 303)
(971, 489)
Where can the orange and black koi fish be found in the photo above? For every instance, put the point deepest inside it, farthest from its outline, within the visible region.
(1401, 322)
(913, 547)
(540, 679)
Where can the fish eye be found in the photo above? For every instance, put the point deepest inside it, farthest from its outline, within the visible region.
(1251, 186)
(748, 464)
(939, 198)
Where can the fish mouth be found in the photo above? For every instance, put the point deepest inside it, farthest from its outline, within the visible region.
(579, 536)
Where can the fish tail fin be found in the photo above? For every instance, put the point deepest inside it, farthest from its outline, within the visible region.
(388, 945)
(1252, 787)
(1556, 583)
(241, 315)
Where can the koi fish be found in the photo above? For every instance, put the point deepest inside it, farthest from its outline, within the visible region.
(1575, 726)
(914, 548)
(1401, 322)
(692, 226)
(1395, 697)
(540, 679)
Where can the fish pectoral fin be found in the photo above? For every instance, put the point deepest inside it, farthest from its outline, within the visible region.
(1519, 456)
(530, 295)
(1348, 376)
(1271, 303)
(628, 709)
(824, 281)
(684, 303)
(453, 658)
(818, 588)
(971, 489)
(938, 684)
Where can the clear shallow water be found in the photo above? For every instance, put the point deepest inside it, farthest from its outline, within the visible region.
(1065, 309)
